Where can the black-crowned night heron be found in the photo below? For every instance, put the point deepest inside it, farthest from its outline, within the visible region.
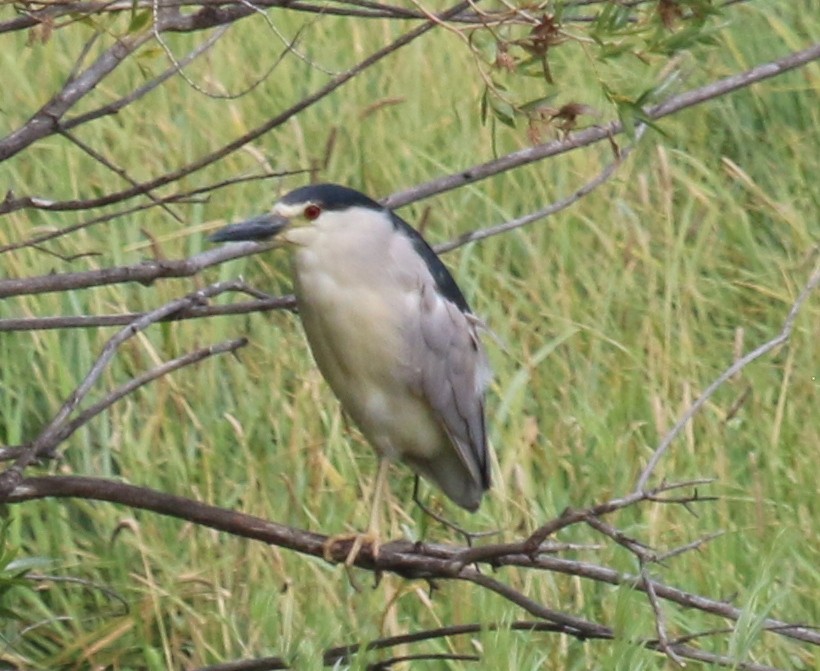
(390, 331)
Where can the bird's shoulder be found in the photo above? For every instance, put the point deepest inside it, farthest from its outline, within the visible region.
(442, 279)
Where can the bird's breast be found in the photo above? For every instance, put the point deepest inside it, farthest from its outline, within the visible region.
(356, 310)
(353, 315)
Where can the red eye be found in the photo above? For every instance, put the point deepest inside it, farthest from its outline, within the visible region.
(312, 211)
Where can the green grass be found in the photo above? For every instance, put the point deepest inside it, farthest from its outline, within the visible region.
(615, 315)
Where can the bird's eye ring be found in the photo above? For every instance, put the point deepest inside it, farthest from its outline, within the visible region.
(312, 211)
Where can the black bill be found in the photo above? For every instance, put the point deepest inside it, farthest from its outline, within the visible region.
(257, 229)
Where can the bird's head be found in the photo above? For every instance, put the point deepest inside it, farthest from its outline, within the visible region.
(304, 207)
(350, 220)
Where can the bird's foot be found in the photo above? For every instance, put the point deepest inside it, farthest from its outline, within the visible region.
(359, 541)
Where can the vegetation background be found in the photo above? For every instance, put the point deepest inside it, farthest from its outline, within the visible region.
(611, 318)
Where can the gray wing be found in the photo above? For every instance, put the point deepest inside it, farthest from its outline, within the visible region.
(451, 373)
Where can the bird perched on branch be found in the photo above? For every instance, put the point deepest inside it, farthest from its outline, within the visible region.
(391, 333)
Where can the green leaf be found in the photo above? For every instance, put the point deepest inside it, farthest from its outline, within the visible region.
(681, 40)
(615, 49)
(532, 105)
(139, 20)
(530, 67)
(503, 111)
(485, 45)
(612, 18)
(9, 615)
(25, 564)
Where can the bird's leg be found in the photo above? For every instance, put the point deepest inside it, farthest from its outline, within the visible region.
(469, 536)
(375, 509)
(371, 535)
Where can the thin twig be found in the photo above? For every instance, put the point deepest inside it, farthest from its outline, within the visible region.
(641, 551)
(404, 558)
(187, 196)
(696, 544)
(147, 87)
(589, 136)
(549, 210)
(36, 128)
(132, 385)
(731, 371)
(574, 516)
(117, 170)
(660, 619)
(286, 302)
(48, 439)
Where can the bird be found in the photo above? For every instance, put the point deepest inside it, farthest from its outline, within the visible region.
(390, 332)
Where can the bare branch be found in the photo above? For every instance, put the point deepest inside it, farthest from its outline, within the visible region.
(731, 371)
(132, 385)
(48, 439)
(147, 87)
(801, 632)
(594, 134)
(508, 162)
(343, 653)
(641, 551)
(121, 172)
(187, 196)
(449, 182)
(549, 210)
(43, 123)
(46, 120)
(696, 544)
(148, 272)
(334, 656)
(660, 619)
(405, 558)
(574, 516)
(287, 302)
(144, 273)
(578, 627)
(213, 12)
